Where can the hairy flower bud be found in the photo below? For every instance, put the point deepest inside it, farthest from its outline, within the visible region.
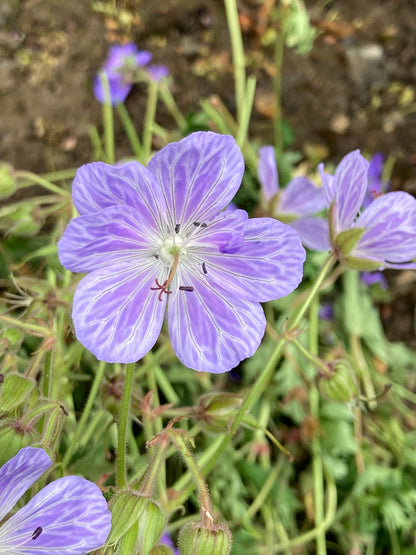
(194, 539)
(339, 385)
(161, 550)
(216, 410)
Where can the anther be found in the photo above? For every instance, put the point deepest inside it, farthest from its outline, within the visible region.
(199, 224)
(177, 228)
(37, 532)
(204, 268)
(156, 256)
(186, 288)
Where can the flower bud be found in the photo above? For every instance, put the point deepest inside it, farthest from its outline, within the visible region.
(161, 550)
(21, 222)
(137, 514)
(339, 385)
(7, 181)
(195, 539)
(216, 410)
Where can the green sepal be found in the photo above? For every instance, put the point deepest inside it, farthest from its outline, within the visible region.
(161, 550)
(195, 539)
(14, 391)
(362, 264)
(346, 240)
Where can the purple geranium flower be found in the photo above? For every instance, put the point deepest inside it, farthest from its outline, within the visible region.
(157, 72)
(371, 278)
(69, 515)
(383, 234)
(155, 238)
(375, 184)
(121, 70)
(296, 203)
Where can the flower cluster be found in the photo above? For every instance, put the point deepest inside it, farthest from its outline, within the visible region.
(297, 204)
(69, 515)
(157, 238)
(121, 69)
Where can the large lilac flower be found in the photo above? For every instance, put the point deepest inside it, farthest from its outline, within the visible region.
(121, 69)
(156, 238)
(296, 204)
(383, 235)
(68, 516)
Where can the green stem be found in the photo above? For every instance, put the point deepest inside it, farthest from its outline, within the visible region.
(265, 490)
(108, 120)
(122, 427)
(130, 130)
(317, 466)
(38, 180)
(246, 111)
(238, 54)
(149, 118)
(316, 361)
(39, 331)
(85, 413)
(167, 98)
(262, 382)
(278, 63)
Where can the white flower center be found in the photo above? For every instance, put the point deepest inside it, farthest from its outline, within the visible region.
(170, 246)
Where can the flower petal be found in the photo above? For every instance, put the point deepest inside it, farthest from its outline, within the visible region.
(113, 235)
(226, 231)
(69, 515)
(313, 232)
(98, 185)
(267, 170)
(301, 197)
(116, 314)
(267, 266)
(199, 175)
(211, 331)
(391, 229)
(18, 474)
(350, 184)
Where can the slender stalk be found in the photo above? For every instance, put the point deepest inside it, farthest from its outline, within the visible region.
(130, 130)
(85, 413)
(167, 98)
(47, 375)
(316, 361)
(149, 118)
(317, 466)
(246, 111)
(108, 120)
(42, 181)
(122, 427)
(278, 62)
(238, 54)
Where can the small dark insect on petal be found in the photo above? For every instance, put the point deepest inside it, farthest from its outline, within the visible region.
(199, 224)
(186, 288)
(177, 228)
(63, 409)
(204, 268)
(37, 532)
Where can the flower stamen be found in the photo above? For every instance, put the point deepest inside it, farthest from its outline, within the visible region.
(38, 531)
(164, 287)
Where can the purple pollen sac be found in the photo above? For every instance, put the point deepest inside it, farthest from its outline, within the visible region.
(136, 254)
(37, 532)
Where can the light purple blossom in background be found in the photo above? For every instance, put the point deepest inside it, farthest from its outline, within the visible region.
(68, 515)
(121, 68)
(166, 540)
(296, 204)
(371, 278)
(375, 186)
(382, 235)
(157, 72)
(326, 312)
(156, 238)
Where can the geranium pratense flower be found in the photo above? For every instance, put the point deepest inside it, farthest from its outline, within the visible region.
(68, 515)
(155, 238)
(375, 184)
(383, 235)
(120, 68)
(296, 204)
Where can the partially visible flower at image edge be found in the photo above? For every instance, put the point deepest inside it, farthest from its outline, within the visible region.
(159, 237)
(68, 515)
(296, 204)
(120, 67)
(380, 235)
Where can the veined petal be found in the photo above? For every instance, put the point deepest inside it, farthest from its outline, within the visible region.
(267, 170)
(391, 229)
(211, 331)
(98, 185)
(267, 266)
(313, 232)
(301, 197)
(18, 474)
(350, 184)
(328, 185)
(226, 231)
(68, 516)
(199, 175)
(113, 235)
(116, 314)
